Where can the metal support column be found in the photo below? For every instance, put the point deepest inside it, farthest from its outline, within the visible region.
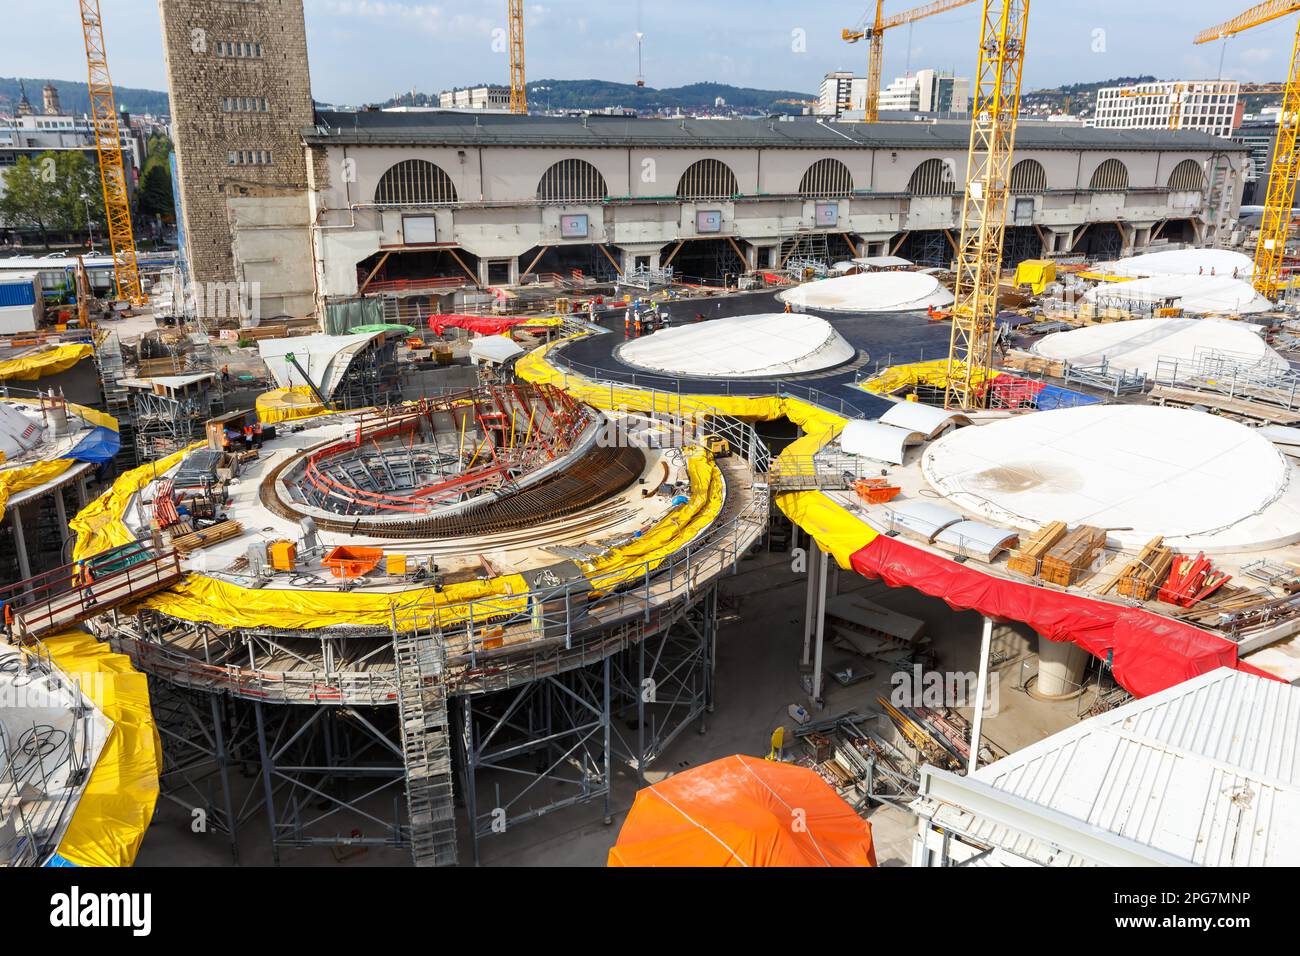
(821, 630)
(810, 610)
(20, 542)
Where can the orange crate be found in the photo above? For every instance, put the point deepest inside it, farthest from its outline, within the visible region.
(347, 561)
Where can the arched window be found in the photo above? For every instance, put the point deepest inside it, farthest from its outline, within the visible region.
(1187, 177)
(1028, 176)
(414, 182)
(826, 179)
(934, 177)
(572, 180)
(1111, 176)
(708, 179)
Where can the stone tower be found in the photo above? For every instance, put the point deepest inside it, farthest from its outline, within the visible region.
(240, 96)
(51, 96)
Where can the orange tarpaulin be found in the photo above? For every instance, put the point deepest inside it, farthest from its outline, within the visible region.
(742, 811)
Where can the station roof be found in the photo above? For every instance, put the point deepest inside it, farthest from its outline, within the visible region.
(384, 128)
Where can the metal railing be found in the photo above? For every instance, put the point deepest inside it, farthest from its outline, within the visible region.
(1233, 374)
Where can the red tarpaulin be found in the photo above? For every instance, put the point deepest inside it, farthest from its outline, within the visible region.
(482, 324)
(1150, 652)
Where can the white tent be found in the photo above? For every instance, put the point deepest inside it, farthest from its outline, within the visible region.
(1186, 262)
(1203, 294)
(744, 346)
(870, 292)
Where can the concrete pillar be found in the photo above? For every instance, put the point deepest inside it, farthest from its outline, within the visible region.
(821, 631)
(20, 542)
(83, 495)
(810, 610)
(981, 693)
(1060, 667)
(61, 511)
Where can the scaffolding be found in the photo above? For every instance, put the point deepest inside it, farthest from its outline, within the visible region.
(168, 419)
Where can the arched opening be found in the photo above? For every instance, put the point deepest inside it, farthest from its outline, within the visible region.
(1028, 176)
(572, 180)
(414, 182)
(708, 179)
(1187, 177)
(934, 177)
(1111, 176)
(826, 179)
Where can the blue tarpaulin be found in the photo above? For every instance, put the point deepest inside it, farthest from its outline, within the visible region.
(1053, 396)
(98, 447)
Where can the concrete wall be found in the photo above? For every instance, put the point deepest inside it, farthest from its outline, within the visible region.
(497, 215)
(198, 78)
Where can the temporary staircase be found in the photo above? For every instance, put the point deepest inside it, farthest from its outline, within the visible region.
(117, 397)
(426, 747)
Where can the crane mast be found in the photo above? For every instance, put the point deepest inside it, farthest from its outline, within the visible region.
(518, 87)
(112, 169)
(994, 114)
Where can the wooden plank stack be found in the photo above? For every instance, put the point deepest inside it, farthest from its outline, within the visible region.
(1071, 558)
(215, 534)
(1142, 577)
(1027, 559)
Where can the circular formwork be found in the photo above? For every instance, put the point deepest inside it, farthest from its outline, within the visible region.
(1202, 482)
(870, 292)
(743, 346)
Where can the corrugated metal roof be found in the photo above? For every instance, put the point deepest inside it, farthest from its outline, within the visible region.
(383, 128)
(1208, 771)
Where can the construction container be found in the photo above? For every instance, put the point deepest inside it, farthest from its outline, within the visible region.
(284, 555)
(395, 565)
(349, 561)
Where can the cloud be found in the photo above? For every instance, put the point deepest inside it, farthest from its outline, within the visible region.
(429, 17)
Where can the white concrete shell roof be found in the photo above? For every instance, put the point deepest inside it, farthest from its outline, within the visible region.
(879, 441)
(743, 346)
(324, 357)
(494, 348)
(1185, 262)
(870, 292)
(1138, 345)
(1203, 482)
(923, 418)
(1196, 293)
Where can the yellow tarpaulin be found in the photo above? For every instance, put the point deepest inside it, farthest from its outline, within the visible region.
(52, 361)
(900, 378)
(14, 480)
(1038, 274)
(98, 526)
(287, 404)
(90, 415)
(110, 820)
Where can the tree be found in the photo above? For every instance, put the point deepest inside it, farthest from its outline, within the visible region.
(53, 192)
(155, 193)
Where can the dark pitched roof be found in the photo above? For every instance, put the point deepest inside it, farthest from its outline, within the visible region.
(502, 129)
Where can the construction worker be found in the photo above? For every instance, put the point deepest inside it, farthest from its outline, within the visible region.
(257, 434)
(699, 316)
(9, 622)
(788, 307)
(627, 322)
(225, 375)
(637, 321)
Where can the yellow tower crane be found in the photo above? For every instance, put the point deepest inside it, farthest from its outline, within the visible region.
(518, 87)
(875, 32)
(1270, 250)
(112, 170)
(994, 113)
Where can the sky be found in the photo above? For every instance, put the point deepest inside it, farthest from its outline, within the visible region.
(368, 50)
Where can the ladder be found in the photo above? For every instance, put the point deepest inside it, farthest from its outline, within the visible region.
(426, 747)
(117, 398)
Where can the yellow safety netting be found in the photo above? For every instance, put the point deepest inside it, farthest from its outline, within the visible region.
(99, 526)
(835, 530)
(110, 820)
(286, 404)
(899, 378)
(14, 480)
(1038, 274)
(52, 361)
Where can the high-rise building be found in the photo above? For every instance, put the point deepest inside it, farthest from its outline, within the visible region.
(927, 91)
(240, 96)
(836, 93)
(1208, 106)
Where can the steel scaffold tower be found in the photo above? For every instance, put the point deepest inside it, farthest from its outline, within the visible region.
(1003, 31)
(1275, 224)
(112, 170)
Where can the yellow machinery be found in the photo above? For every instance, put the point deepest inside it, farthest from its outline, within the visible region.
(996, 106)
(717, 446)
(1274, 227)
(112, 171)
(283, 555)
(875, 32)
(518, 87)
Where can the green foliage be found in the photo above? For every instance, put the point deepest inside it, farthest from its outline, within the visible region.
(53, 192)
(598, 94)
(155, 193)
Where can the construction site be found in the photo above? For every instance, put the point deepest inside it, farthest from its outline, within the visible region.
(482, 505)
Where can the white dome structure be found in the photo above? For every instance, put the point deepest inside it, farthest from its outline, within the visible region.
(1186, 262)
(1205, 294)
(870, 292)
(744, 346)
(1203, 482)
(1139, 345)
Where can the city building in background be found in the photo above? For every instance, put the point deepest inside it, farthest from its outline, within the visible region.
(1207, 106)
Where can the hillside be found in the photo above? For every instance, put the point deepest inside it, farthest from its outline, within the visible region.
(598, 94)
(75, 99)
